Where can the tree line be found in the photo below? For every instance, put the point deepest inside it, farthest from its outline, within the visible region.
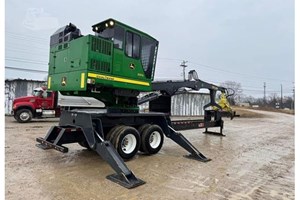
(236, 96)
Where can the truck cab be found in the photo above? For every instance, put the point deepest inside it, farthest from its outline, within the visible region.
(38, 105)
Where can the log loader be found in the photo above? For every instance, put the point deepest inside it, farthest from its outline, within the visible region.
(114, 65)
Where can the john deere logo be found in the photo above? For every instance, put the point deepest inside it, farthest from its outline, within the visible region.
(131, 66)
(64, 81)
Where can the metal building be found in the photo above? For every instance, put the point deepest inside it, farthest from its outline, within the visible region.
(188, 103)
(16, 88)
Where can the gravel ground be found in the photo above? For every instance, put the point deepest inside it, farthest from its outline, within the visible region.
(254, 161)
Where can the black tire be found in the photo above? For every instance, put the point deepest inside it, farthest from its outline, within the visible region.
(112, 132)
(23, 115)
(140, 130)
(152, 139)
(127, 141)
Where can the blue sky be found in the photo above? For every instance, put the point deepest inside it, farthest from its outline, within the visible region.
(247, 41)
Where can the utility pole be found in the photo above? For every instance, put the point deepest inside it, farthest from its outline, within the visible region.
(265, 93)
(281, 102)
(293, 99)
(183, 65)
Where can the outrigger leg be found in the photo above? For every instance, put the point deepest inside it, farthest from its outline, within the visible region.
(123, 175)
(184, 143)
(87, 135)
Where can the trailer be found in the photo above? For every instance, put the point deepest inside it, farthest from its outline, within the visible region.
(114, 66)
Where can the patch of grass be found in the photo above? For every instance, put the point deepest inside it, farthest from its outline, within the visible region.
(291, 112)
(247, 113)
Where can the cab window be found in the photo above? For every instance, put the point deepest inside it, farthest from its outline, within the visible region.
(37, 93)
(133, 42)
(118, 37)
(115, 33)
(148, 55)
(49, 94)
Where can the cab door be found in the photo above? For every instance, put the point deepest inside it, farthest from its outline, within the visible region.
(46, 100)
(118, 50)
(132, 63)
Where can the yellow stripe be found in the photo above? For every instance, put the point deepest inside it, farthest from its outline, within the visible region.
(112, 78)
(49, 82)
(82, 80)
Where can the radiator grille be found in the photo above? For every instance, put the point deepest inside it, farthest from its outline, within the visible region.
(101, 46)
(100, 65)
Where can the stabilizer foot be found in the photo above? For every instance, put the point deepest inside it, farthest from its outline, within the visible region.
(214, 133)
(44, 147)
(44, 144)
(126, 181)
(184, 143)
(201, 157)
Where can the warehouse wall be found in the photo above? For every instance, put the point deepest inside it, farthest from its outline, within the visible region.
(17, 88)
(185, 104)
(189, 104)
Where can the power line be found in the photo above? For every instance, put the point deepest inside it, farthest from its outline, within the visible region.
(27, 39)
(26, 49)
(26, 69)
(244, 87)
(237, 73)
(30, 38)
(25, 35)
(31, 45)
(26, 52)
(26, 61)
(222, 70)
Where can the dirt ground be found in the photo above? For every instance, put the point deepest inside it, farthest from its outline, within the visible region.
(254, 161)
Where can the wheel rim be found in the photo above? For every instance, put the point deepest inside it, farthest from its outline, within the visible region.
(154, 139)
(128, 143)
(24, 116)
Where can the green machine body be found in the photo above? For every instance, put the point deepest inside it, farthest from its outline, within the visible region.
(114, 65)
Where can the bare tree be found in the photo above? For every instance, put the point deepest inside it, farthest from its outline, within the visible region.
(273, 100)
(288, 102)
(248, 99)
(236, 88)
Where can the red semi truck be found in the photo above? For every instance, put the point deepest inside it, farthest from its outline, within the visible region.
(44, 103)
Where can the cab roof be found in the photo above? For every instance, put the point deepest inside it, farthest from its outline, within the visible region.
(111, 22)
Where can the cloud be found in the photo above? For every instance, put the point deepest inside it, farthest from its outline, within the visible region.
(38, 19)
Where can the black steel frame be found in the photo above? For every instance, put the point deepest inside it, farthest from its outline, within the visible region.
(91, 126)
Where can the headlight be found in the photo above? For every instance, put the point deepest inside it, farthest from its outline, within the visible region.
(90, 81)
(111, 23)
